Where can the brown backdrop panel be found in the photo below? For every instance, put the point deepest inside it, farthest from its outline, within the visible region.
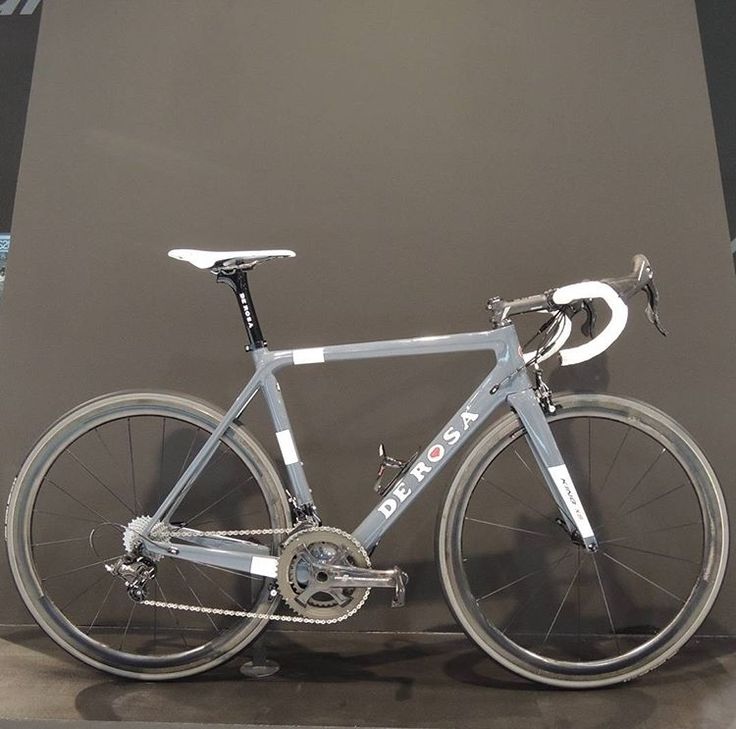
(419, 157)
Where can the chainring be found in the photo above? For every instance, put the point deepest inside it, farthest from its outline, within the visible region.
(303, 555)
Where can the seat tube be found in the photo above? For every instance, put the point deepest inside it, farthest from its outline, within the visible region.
(551, 464)
(294, 468)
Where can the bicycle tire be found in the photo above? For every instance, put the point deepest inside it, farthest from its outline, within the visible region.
(69, 429)
(491, 638)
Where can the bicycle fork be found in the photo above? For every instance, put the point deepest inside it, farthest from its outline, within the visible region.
(554, 471)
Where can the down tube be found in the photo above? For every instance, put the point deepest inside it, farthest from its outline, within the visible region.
(463, 426)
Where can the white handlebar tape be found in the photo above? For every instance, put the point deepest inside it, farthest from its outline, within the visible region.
(562, 335)
(619, 315)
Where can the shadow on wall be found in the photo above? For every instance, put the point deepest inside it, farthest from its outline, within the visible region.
(590, 376)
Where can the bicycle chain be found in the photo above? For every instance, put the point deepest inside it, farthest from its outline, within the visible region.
(247, 613)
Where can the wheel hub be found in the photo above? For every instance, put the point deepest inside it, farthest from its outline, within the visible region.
(133, 539)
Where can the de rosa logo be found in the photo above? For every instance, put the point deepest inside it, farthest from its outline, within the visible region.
(18, 7)
(435, 453)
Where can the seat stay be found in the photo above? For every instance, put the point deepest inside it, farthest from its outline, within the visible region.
(180, 489)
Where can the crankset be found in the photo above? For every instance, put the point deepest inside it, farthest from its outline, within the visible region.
(324, 573)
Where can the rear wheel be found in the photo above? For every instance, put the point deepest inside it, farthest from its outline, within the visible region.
(547, 608)
(105, 464)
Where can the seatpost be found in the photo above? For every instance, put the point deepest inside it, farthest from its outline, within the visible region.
(237, 280)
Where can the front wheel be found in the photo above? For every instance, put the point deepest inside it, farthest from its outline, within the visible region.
(547, 608)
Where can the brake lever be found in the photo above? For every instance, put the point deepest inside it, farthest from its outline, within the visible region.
(652, 310)
(591, 317)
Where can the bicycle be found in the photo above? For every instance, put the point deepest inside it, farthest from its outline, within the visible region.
(577, 570)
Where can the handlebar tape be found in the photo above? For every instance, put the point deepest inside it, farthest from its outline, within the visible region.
(619, 316)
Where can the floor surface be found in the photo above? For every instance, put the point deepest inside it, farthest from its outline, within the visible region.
(332, 679)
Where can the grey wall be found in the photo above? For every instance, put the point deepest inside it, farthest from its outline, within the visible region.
(419, 157)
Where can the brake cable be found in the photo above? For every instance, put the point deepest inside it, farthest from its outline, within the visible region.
(546, 328)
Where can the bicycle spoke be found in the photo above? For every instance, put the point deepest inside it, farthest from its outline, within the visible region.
(65, 516)
(217, 501)
(114, 460)
(657, 554)
(615, 458)
(641, 506)
(520, 609)
(605, 603)
(155, 614)
(656, 498)
(629, 537)
(59, 541)
(590, 457)
(534, 473)
(127, 626)
(516, 498)
(515, 582)
(173, 616)
(189, 453)
(99, 480)
(84, 592)
(559, 609)
(641, 478)
(103, 519)
(220, 588)
(577, 594)
(79, 569)
(132, 467)
(161, 462)
(196, 597)
(508, 526)
(102, 605)
(639, 574)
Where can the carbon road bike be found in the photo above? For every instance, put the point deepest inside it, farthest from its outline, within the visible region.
(582, 541)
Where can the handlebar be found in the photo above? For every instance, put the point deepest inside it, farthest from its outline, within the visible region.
(612, 331)
(615, 292)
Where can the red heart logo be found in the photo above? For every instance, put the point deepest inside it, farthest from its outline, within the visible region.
(436, 452)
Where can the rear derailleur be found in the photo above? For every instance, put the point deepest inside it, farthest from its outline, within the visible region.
(136, 572)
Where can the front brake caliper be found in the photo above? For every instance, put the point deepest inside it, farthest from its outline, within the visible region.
(544, 394)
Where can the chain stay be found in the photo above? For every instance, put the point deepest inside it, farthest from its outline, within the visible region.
(247, 613)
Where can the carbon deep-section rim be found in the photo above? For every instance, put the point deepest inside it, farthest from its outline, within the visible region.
(138, 420)
(520, 587)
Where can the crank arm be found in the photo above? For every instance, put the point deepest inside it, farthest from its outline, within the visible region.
(351, 576)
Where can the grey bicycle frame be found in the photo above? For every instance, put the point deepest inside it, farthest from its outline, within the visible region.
(507, 383)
